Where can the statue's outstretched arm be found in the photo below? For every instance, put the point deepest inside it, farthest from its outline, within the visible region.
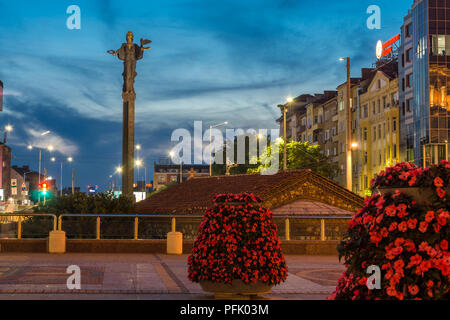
(113, 52)
(144, 42)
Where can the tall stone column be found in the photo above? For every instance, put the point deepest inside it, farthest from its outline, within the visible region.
(128, 143)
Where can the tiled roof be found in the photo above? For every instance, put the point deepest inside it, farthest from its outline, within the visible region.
(195, 195)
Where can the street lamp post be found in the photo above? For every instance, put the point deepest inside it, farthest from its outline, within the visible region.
(69, 159)
(8, 128)
(284, 109)
(349, 124)
(210, 142)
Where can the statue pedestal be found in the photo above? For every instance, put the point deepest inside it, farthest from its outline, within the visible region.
(56, 242)
(175, 243)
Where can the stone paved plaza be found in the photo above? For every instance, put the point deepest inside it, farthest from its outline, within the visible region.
(140, 276)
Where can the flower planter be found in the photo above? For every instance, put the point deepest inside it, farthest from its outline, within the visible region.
(238, 289)
(420, 195)
(237, 241)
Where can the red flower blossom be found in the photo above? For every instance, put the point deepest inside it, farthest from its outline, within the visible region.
(412, 223)
(413, 289)
(429, 216)
(440, 192)
(423, 227)
(438, 182)
(403, 226)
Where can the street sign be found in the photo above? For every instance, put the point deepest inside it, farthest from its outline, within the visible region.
(24, 189)
(14, 183)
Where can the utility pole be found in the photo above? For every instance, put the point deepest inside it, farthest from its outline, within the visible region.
(349, 131)
(73, 181)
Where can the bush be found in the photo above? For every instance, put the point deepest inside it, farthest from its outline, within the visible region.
(406, 239)
(237, 240)
(84, 227)
(101, 203)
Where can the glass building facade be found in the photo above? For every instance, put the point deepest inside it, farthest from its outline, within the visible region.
(431, 79)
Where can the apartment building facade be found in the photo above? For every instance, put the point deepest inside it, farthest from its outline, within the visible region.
(379, 139)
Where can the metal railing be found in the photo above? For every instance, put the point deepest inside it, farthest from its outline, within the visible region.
(19, 218)
(290, 227)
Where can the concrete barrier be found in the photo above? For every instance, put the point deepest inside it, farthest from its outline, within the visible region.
(56, 242)
(175, 243)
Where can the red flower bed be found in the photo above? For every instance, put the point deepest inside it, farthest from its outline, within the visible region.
(237, 240)
(407, 241)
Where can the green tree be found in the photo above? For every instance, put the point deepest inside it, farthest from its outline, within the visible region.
(300, 155)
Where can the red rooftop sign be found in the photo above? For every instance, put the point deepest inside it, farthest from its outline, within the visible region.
(383, 49)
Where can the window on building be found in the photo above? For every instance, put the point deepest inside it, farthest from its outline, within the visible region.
(374, 133)
(409, 80)
(394, 124)
(327, 135)
(395, 151)
(343, 147)
(366, 111)
(341, 105)
(408, 105)
(440, 45)
(379, 131)
(334, 131)
(379, 105)
(335, 151)
(373, 108)
(408, 30)
(342, 126)
(365, 134)
(384, 130)
(365, 157)
(409, 55)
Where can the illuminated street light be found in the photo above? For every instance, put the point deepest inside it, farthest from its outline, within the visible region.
(289, 99)
(138, 147)
(30, 147)
(45, 133)
(355, 145)
(139, 163)
(53, 159)
(70, 159)
(50, 148)
(119, 169)
(9, 128)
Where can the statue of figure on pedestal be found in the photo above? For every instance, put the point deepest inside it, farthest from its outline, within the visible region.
(130, 53)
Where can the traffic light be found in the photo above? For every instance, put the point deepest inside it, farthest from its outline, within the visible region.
(44, 187)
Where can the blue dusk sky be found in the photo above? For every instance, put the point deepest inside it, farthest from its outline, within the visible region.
(213, 61)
